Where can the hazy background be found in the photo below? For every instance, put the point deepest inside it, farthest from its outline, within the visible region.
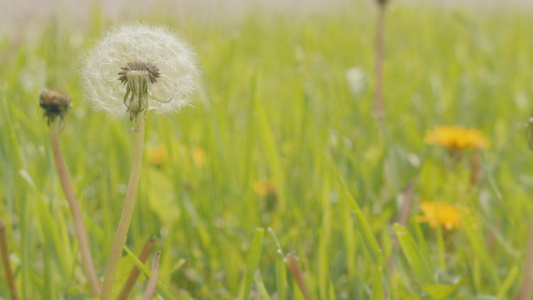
(13, 13)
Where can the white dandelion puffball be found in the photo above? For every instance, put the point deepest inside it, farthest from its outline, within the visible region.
(170, 66)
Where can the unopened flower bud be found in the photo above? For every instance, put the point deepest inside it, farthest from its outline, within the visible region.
(55, 103)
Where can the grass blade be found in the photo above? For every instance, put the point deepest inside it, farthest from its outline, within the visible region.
(377, 287)
(368, 237)
(252, 262)
(281, 270)
(163, 291)
(419, 263)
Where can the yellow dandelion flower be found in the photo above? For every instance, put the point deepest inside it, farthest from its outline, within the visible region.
(439, 213)
(158, 155)
(264, 188)
(456, 138)
(198, 156)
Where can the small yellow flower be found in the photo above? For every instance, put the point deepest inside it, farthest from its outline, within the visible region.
(198, 156)
(158, 155)
(440, 213)
(456, 138)
(264, 188)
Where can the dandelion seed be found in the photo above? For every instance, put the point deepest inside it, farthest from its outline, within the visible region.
(136, 68)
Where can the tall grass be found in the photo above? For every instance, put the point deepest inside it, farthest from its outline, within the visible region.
(275, 106)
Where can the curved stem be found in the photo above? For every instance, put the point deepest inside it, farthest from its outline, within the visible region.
(127, 210)
(152, 282)
(526, 288)
(5, 260)
(81, 233)
(135, 272)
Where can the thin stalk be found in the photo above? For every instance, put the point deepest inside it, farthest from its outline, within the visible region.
(475, 172)
(154, 273)
(127, 210)
(526, 288)
(135, 271)
(79, 227)
(5, 260)
(291, 261)
(379, 107)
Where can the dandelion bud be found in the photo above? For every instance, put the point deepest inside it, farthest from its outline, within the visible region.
(136, 68)
(55, 103)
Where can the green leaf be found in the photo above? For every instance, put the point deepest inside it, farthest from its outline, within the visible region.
(419, 263)
(271, 152)
(368, 237)
(252, 263)
(162, 197)
(262, 288)
(440, 291)
(377, 287)
(509, 280)
(281, 269)
(477, 242)
(162, 289)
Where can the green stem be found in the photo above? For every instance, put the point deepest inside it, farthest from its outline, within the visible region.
(81, 233)
(127, 210)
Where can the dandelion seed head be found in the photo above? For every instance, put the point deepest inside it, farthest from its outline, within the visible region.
(140, 51)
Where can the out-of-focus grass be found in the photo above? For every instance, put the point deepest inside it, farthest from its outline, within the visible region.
(275, 107)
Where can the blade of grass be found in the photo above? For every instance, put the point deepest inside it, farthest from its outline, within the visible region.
(261, 286)
(368, 237)
(419, 263)
(252, 262)
(507, 283)
(271, 153)
(477, 243)
(377, 287)
(135, 271)
(163, 290)
(281, 270)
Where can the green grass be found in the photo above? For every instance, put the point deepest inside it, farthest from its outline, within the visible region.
(275, 105)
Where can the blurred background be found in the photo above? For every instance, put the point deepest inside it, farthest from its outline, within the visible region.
(286, 100)
(13, 14)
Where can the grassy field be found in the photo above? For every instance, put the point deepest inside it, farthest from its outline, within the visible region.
(272, 136)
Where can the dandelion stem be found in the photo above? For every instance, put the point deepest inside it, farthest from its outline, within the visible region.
(526, 288)
(127, 210)
(5, 259)
(81, 232)
(152, 282)
(379, 111)
(135, 271)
